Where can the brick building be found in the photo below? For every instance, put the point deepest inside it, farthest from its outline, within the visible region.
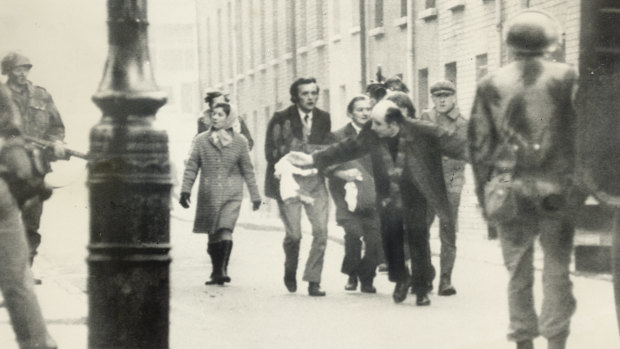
(247, 47)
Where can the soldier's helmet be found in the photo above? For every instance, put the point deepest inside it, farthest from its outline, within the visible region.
(13, 60)
(533, 31)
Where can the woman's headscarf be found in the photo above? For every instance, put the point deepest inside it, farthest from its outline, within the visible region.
(222, 137)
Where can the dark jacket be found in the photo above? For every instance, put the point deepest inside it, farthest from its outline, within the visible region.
(533, 98)
(285, 133)
(423, 151)
(366, 187)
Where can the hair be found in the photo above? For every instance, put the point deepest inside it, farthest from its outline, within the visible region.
(354, 100)
(402, 100)
(294, 89)
(394, 115)
(376, 91)
(213, 95)
(398, 84)
(224, 106)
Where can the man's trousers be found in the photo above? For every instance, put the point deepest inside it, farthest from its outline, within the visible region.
(362, 226)
(317, 213)
(558, 304)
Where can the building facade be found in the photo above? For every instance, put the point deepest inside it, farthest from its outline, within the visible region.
(254, 49)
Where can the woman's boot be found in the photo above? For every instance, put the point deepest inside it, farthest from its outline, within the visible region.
(215, 251)
(228, 244)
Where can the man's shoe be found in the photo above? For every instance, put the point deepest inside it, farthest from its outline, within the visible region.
(291, 283)
(422, 299)
(445, 286)
(368, 288)
(351, 284)
(382, 268)
(314, 290)
(218, 280)
(400, 291)
(526, 344)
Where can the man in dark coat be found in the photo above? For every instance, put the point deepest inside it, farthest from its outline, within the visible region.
(349, 182)
(406, 161)
(522, 130)
(301, 127)
(446, 113)
(40, 119)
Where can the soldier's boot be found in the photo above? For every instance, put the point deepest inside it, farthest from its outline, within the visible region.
(227, 249)
(526, 344)
(216, 253)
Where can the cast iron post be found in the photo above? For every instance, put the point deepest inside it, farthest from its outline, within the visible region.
(129, 187)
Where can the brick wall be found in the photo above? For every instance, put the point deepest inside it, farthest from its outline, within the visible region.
(332, 54)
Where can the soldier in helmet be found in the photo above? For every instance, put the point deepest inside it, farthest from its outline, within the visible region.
(522, 149)
(40, 119)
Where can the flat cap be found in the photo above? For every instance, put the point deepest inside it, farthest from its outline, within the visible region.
(443, 86)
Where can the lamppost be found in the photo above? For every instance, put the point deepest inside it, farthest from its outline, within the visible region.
(129, 187)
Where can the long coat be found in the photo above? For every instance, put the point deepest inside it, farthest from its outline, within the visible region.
(220, 189)
(423, 152)
(285, 133)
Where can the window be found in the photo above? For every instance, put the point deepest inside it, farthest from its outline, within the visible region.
(276, 41)
(220, 49)
(430, 4)
(336, 17)
(378, 20)
(263, 29)
(423, 88)
(482, 67)
(355, 11)
(289, 26)
(403, 8)
(251, 31)
(319, 19)
(326, 99)
(230, 46)
(450, 73)
(239, 34)
(303, 23)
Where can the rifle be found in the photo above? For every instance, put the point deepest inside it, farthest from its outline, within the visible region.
(43, 144)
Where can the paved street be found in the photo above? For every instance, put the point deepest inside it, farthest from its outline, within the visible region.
(256, 311)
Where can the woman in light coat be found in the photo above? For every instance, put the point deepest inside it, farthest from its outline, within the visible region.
(222, 157)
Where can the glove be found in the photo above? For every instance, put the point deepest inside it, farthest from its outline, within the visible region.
(184, 201)
(256, 205)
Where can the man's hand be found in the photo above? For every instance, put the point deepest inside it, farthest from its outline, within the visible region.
(256, 205)
(184, 201)
(59, 150)
(349, 175)
(299, 159)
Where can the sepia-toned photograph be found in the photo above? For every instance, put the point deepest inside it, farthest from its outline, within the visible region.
(360, 174)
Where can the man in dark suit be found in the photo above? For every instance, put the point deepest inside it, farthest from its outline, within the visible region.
(406, 160)
(353, 181)
(300, 127)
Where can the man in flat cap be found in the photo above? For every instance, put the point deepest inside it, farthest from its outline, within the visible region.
(446, 114)
(40, 119)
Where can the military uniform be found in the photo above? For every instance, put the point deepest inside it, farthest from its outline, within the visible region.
(40, 119)
(454, 176)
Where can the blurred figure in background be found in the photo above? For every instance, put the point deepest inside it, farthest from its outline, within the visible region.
(396, 84)
(222, 157)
